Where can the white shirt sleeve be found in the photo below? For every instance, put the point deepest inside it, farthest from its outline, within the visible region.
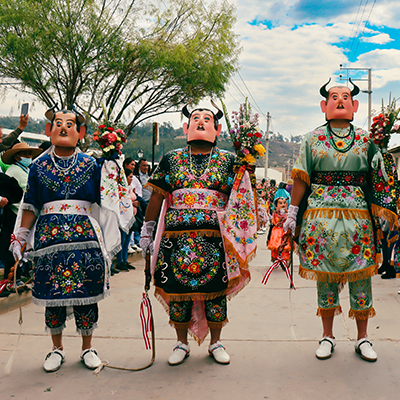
(136, 186)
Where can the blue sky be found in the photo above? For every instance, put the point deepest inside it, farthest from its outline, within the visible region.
(291, 47)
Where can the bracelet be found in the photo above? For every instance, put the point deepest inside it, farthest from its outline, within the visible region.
(13, 239)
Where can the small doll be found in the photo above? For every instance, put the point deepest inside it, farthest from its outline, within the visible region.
(275, 241)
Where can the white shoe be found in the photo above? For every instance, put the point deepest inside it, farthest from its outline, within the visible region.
(180, 352)
(54, 360)
(90, 358)
(325, 349)
(217, 350)
(137, 248)
(131, 250)
(364, 348)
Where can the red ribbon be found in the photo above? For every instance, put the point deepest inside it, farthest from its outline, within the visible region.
(146, 321)
(279, 261)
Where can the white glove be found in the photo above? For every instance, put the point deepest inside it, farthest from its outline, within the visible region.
(146, 237)
(290, 222)
(17, 241)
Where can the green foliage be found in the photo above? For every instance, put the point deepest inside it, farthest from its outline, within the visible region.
(138, 59)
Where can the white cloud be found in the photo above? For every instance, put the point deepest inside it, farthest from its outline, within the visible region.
(381, 38)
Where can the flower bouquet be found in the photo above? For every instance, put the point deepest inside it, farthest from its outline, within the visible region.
(114, 186)
(384, 124)
(110, 138)
(384, 174)
(245, 135)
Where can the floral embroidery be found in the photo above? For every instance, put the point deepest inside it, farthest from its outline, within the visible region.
(195, 261)
(67, 179)
(54, 230)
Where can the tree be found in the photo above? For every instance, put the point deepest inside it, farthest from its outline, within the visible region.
(131, 59)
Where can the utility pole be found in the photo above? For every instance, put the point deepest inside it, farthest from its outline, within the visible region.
(369, 91)
(266, 147)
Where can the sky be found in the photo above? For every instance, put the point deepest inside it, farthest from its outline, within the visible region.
(290, 48)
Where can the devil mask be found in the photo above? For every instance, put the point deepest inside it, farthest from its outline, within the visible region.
(339, 103)
(203, 124)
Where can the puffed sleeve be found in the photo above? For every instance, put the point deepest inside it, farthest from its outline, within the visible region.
(160, 179)
(32, 200)
(303, 166)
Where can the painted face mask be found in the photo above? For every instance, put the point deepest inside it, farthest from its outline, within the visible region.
(201, 127)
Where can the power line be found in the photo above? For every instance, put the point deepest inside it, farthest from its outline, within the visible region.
(358, 28)
(352, 30)
(365, 24)
(259, 108)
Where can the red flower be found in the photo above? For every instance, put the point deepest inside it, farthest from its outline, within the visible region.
(249, 134)
(102, 126)
(193, 234)
(357, 137)
(111, 129)
(379, 186)
(365, 139)
(258, 134)
(356, 249)
(321, 137)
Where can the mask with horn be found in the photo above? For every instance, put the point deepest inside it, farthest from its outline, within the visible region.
(203, 123)
(339, 103)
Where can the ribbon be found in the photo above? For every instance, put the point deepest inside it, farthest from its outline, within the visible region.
(378, 160)
(146, 322)
(279, 261)
(3, 284)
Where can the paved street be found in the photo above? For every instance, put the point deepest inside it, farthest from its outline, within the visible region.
(272, 338)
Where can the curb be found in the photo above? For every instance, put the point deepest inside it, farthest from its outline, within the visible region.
(11, 302)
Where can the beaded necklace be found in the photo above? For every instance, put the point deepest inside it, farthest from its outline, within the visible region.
(333, 143)
(74, 156)
(191, 166)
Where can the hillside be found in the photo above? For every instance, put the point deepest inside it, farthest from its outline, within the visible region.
(170, 138)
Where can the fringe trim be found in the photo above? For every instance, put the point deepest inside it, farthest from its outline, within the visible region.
(243, 264)
(166, 308)
(337, 213)
(217, 325)
(179, 325)
(156, 189)
(302, 175)
(341, 277)
(87, 332)
(362, 314)
(55, 331)
(242, 280)
(386, 214)
(70, 302)
(65, 247)
(114, 251)
(199, 232)
(329, 312)
(188, 296)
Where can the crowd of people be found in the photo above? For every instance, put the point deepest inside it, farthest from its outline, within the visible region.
(196, 214)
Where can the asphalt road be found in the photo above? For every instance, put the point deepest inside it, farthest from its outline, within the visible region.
(272, 337)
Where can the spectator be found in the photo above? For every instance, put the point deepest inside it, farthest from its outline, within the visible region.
(122, 256)
(10, 139)
(136, 187)
(20, 157)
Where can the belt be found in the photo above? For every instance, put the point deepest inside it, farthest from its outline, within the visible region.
(204, 199)
(339, 178)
